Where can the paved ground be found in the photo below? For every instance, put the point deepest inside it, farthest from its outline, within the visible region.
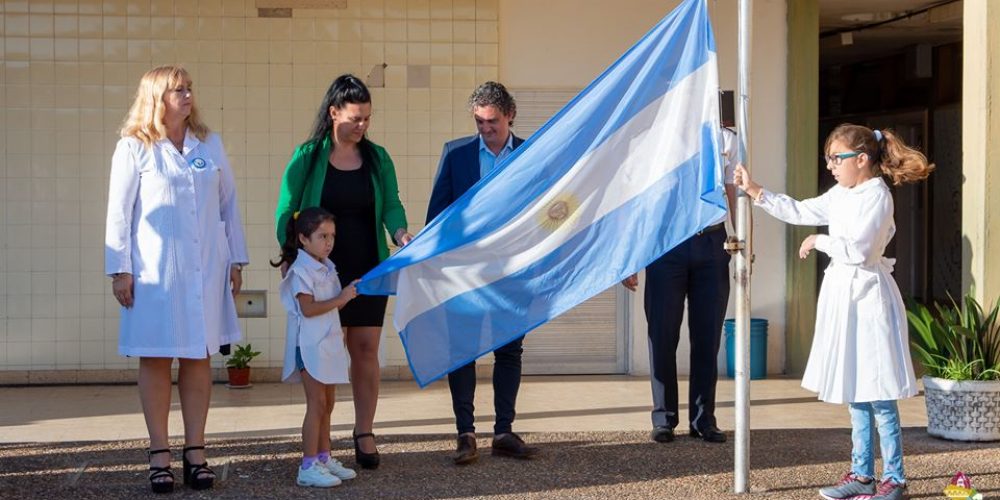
(592, 431)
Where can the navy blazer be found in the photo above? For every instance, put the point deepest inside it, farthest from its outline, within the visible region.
(458, 170)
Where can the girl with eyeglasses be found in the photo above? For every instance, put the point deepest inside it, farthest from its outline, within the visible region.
(860, 353)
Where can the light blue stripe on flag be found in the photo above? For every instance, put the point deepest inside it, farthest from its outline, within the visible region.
(626, 171)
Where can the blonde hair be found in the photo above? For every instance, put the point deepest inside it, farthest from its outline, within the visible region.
(145, 118)
(889, 154)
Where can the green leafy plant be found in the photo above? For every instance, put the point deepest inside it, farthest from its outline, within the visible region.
(242, 356)
(959, 342)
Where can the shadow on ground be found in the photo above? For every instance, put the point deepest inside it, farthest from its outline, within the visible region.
(605, 465)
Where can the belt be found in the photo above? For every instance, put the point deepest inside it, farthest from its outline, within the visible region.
(709, 229)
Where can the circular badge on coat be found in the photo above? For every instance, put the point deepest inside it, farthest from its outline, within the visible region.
(198, 163)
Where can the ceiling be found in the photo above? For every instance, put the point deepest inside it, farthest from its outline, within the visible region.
(941, 24)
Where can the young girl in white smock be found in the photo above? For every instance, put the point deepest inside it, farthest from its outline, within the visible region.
(314, 343)
(860, 353)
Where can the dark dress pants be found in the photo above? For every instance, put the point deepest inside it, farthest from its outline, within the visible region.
(698, 270)
(506, 381)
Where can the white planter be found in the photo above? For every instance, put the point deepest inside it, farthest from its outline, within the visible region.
(967, 410)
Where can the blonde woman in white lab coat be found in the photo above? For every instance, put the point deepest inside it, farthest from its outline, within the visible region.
(174, 248)
(860, 353)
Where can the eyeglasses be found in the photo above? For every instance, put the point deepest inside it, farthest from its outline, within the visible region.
(838, 158)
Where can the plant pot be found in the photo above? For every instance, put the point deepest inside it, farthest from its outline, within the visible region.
(239, 377)
(967, 410)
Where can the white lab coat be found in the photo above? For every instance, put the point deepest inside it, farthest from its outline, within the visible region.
(320, 338)
(174, 224)
(860, 350)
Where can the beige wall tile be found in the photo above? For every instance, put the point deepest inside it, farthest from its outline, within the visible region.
(279, 29)
(41, 25)
(65, 26)
(210, 28)
(212, 8)
(464, 31)
(464, 9)
(395, 30)
(395, 9)
(418, 30)
(17, 25)
(138, 27)
(418, 53)
(66, 49)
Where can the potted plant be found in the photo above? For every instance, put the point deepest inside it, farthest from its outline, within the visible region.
(238, 366)
(959, 348)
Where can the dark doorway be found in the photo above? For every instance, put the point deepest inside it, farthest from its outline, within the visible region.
(923, 107)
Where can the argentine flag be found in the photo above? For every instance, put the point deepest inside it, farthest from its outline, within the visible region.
(627, 170)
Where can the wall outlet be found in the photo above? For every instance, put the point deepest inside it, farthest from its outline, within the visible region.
(251, 304)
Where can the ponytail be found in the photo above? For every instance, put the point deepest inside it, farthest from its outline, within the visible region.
(900, 162)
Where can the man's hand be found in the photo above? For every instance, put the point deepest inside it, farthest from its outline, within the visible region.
(632, 282)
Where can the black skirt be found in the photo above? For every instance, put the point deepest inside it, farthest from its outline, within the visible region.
(349, 196)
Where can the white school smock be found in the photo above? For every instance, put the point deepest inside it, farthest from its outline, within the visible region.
(860, 349)
(320, 338)
(174, 224)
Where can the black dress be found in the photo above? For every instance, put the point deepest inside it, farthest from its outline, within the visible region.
(349, 196)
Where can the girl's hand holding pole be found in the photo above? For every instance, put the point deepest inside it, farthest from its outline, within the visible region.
(742, 180)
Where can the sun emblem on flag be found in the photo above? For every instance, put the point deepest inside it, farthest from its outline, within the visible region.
(559, 211)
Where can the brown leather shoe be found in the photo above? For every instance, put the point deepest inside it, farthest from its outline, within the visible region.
(511, 445)
(466, 452)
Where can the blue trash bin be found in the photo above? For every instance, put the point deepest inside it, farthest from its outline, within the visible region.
(758, 348)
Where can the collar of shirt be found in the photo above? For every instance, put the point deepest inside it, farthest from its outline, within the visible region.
(310, 263)
(487, 160)
(190, 143)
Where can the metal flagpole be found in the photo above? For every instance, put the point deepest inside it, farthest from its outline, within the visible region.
(741, 459)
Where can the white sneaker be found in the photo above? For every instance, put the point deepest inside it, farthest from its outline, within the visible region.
(317, 476)
(337, 469)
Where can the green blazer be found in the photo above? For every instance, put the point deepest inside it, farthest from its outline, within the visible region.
(298, 192)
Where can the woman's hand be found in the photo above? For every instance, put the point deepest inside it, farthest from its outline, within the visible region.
(632, 282)
(121, 287)
(742, 180)
(808, 245)
(402, 237)
(236, 278)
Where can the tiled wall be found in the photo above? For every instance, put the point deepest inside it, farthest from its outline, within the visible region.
(67, 75)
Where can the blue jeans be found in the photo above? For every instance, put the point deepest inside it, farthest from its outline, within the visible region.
(886, 415)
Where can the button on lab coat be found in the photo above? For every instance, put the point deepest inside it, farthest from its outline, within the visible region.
(174, 224)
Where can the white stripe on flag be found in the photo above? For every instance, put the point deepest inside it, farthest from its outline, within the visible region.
(660, 135)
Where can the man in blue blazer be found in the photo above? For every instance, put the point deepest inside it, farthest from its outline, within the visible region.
(463, 162)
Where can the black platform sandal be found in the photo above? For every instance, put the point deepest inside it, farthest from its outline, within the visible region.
(197, 475)
(365, 460)
(156, 474)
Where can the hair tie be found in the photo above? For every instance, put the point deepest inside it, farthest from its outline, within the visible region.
(295, 216)
(878, 135)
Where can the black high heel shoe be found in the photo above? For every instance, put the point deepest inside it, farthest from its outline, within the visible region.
(197, 476)
(156, 473)
(365, 460)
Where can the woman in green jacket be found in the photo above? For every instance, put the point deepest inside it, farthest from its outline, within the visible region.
(339, 169)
